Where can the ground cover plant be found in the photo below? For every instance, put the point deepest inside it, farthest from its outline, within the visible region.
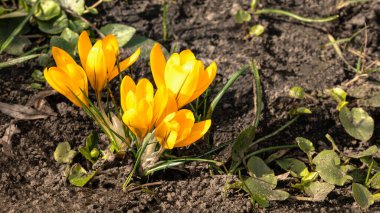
(170, 106)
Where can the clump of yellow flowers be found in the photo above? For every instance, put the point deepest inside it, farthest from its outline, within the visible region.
(156, 117)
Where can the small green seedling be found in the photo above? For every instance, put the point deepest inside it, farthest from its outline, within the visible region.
(91, 150)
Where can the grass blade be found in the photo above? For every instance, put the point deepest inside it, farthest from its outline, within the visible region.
(295, 16)
(18, 28)
(17, 60)
(229, 83)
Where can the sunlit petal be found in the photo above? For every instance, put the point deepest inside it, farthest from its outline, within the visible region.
(124, 64)
(127, 84)
(84, 47)
(157, 65)
(61, 57)
(199, 129)
(96, 68)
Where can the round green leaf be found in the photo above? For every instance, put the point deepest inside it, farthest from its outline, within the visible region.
(328, 167)
(47, 10)
(297, 92)
(242, 16)
(123, 32)
(76, 6)
(63, 153)
(78, 176)
(318, 190)
(357, 123)
(296, 167)
(53, 26)
(256, 30)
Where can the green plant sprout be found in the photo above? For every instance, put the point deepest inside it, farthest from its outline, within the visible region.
(243, 16)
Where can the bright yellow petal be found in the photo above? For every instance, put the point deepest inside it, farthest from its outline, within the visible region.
(164, 108)
(111, 51)
(186, 56)
(96, 68)
(132, 119)
(175, 75)
(199, 129)
(186, 120)
(127, 84)
(61, 57)
(157, 65)
(84, 47)
(124, 64)
(144, 90)
(206, 77)
(171, 140)
(51, 77)
(189, 86)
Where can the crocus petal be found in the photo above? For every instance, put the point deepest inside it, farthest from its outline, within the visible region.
(164, 104)
(72, 82)
(96, 68)
(187, 90)
(206, 77)
(61, 57)
(144, 90)
(157, 65)
(134, 122)
(186, 56)
(124, 64)
(186, 119)
(127, 84)
(199, 129)
(111, 51)
(84, 47)
(175, 75)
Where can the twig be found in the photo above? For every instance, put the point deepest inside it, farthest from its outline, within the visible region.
(86, 21)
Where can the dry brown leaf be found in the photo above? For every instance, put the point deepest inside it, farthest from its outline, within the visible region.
(22, 112)
(5, 141)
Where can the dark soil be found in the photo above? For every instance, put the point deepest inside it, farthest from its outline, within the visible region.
(289, 53)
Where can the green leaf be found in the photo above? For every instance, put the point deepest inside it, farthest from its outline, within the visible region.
(305, 145)
(93, 10)
(358, 175)
(318, 190)
(44, 60)
(15, 61)
(92, 141)
(311, 177)
(37, 75)
(297, 92)
(78, 25)
(55, 25)
(373, 101)
(242, 16)
(372, 150)
(296, 167)
(375, 181)
(36, 86)
(339, 95)
(70, 36)
(258, 167)
(256, 30)
(328, 167)
(146, 44)
(362, 195)
(18, 45)
(57, 41)
(123, 32)
(262, 191)
(79, 176)
(242, 143)
(47, 10)
(76, 6)
(300, 111)
(357, 123)
(63, 153)
(253, 5)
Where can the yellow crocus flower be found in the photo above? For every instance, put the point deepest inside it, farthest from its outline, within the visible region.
(142, 108)
(178, 129)
(99, 60)
(183, 75)
(68, 78)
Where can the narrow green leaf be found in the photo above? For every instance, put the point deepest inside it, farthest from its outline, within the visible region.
(16, 61)
(372, 150)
